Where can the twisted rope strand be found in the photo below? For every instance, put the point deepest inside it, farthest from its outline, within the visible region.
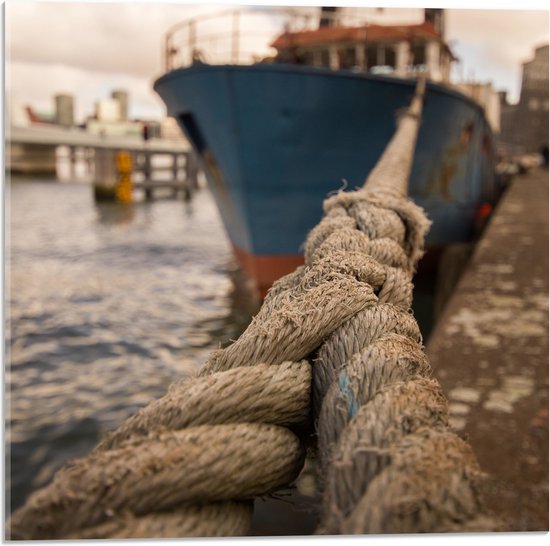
(389, 462)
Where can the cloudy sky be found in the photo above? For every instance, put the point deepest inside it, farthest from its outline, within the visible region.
(89, 48)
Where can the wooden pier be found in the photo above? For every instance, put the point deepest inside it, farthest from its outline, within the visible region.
(158, 165)
(177, 173)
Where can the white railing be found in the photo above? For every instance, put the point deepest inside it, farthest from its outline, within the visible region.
(242, 36)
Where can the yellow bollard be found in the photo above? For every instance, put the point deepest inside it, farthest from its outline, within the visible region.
(124, 187)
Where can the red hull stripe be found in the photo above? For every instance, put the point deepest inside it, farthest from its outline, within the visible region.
(264, 270)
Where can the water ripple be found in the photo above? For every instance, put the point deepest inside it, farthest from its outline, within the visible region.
(107, 306)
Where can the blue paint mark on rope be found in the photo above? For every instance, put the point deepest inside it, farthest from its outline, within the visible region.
(344, 384)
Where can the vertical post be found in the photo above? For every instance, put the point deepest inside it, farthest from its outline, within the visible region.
(175, 173)
(191, 170)
(72, 161)
(192, 41)
(167, 53)
(135, 160)
(360, 56)
(402, 58)
(88, 158)
(334, 60)
(185, 187)
(432, 60)
(147, 182)
(105, 174)
(175, 167)
(235, 38)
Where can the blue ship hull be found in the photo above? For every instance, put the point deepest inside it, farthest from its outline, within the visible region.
(274, 140)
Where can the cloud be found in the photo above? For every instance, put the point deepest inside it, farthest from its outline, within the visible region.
(494, 43)
(104, 37)
(88, 49)
(36, 83)
(85, 47)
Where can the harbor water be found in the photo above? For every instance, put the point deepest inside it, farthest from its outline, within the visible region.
(107, 304)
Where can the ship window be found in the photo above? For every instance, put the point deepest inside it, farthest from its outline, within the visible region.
(418, 54)
(389, 56)
(371, 54)
(379, 55)
(347, 57)
(325, 58)
(308, 57)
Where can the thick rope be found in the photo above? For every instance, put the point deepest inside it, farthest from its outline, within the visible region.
(190, 463)
(178, 466)
(389, 461)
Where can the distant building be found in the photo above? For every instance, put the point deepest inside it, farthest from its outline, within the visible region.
(525, 125)
(507, 121)
(122, 97)
(114, 128)
(107, 110)
(532, 126)
(64, 110)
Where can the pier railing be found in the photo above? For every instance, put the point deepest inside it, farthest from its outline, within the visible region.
(240, 36)
(149, 171)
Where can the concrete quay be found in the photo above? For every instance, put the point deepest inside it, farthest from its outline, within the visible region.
(489, 350)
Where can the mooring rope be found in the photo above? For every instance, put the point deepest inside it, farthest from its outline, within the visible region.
(190, 463)
(187, 464)
(389, 461)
